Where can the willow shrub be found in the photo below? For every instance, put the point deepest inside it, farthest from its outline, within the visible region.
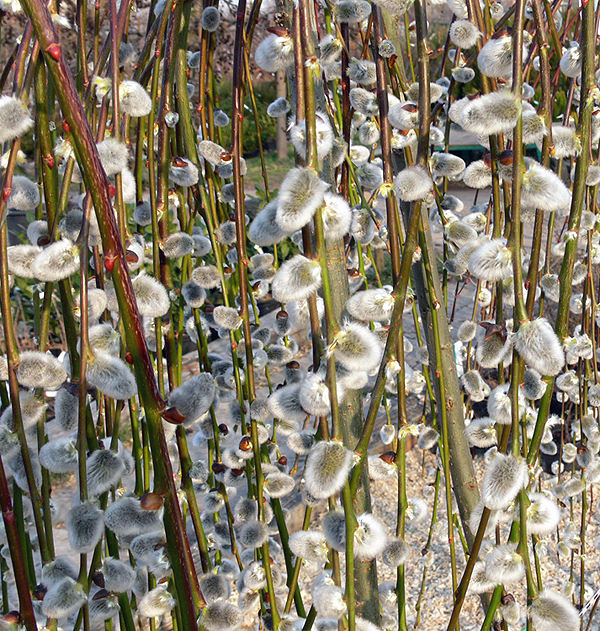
(141, 244)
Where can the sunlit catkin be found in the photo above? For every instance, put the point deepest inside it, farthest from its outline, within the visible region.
(551, 611)
(157, 602)
(504, 478)
(56, 262)
(40, 370)
(327, 468)
(538, 344)
(134, 100)
(356, 348)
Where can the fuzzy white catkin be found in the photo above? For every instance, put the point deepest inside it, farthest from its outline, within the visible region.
(214, 587)
(478, 175)
(552, 611)
(330, 50)
(17, 467)
(490, 352)
(118, 576)
(404, 116)
(207, 276)
(543, 515)
(428, 438)
(221, 616)
(111, 376)
(337, 216)
(327, 468)
(467, 331)
(9, 443)
(571, 61)
(40, 370)
(151, 296)
(371, 305)
(14, 118)
(479, 583)
(356, 347)
(66, 410)
(212, 152)
(504, 478)
(351, 11)
(464, 34)
(56, 262)
(25, 194)
(362, 71)
(58, 569)
(177, 244)
(37, 230)
(104, 339)
(264, 229)
(495, 57)
(460, 234)
(435, 92)
(63, 599)
(134, 100)
(446, 164)
(20, 259)
(503, 565)
(59, 455)
(114, 155)
(364, 101)
(285, 405)
(226, 233)
(185, 174)
(328, 600)
(156, 602)
(275, 53)
(297, 279)
(537, 343)
(300, 442)
(493, 113)
(279, 107)
(310, 545)
(193, 294)
(144, 545)
(370, 537)
(543, 189)
(473, 382)
(314, 396)
(491, 261)
(210, 19)
(499, 405)
(324, 136)
(253, 534)
(85, 525)
(102, 609)
(194, 397)
(278, 484)
(104, 468)
(370, 175)
(300, 194)
(482, 433)
(396, 552)
(31, 411)
(413, 183)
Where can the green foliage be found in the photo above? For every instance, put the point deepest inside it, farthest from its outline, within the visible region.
(265, 94)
